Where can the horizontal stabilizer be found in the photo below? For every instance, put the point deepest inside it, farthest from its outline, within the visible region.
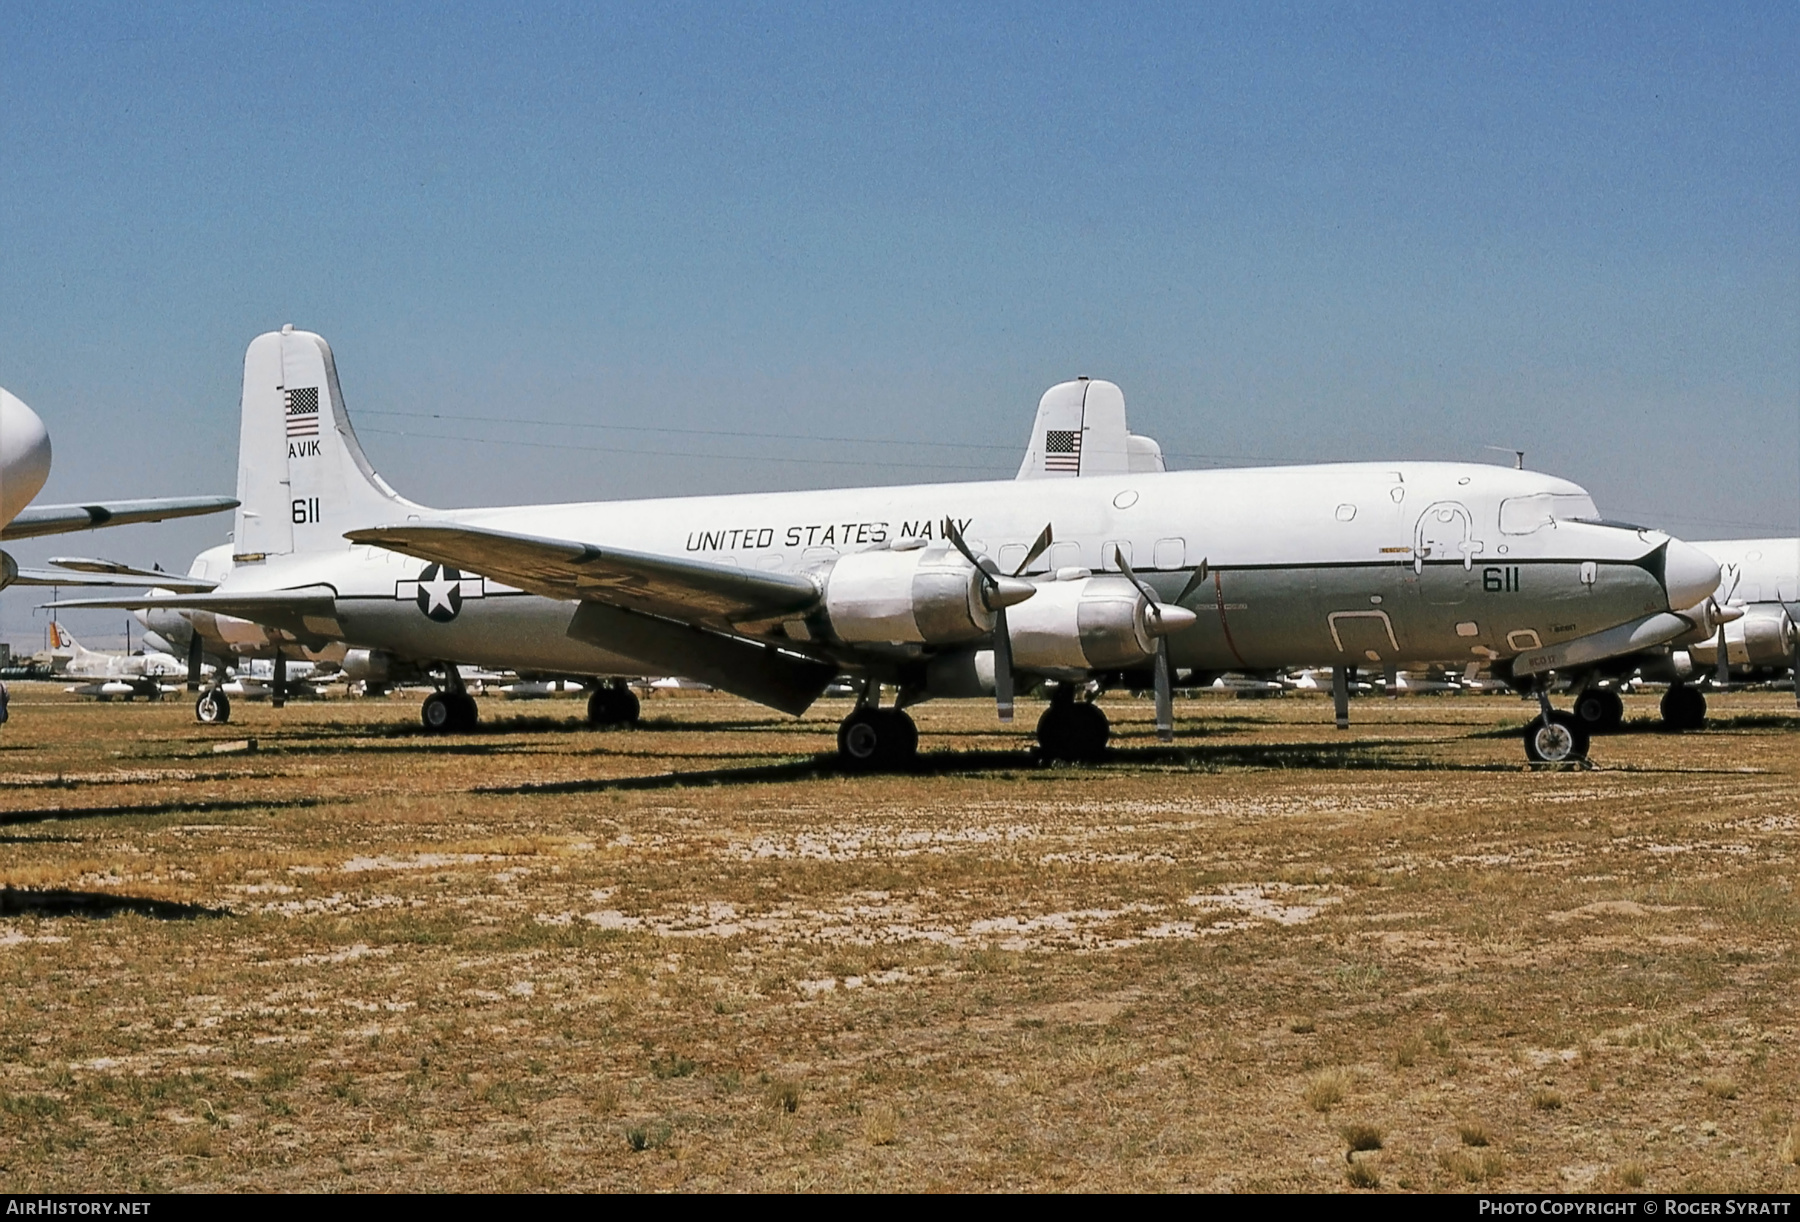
(770, 676)
(309, 612)
(693, 591)
(35, 520)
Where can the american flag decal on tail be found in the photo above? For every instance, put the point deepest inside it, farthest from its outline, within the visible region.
(1062, 450)
(303, 411)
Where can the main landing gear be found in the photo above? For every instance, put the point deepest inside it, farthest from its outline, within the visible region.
(213, 708)
(875, 739)
(613, 705)
(1072, 730)
(1600, 711)
(452, 710)
(1683, 708)
(1555, 737)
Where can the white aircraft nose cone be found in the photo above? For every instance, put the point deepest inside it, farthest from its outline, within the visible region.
(24, 455)
(1689, 574)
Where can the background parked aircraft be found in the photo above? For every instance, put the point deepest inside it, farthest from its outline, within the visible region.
(111, 676)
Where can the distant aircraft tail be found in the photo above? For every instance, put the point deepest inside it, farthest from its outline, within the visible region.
(303, 479)
(62, 642)
(1080, 430)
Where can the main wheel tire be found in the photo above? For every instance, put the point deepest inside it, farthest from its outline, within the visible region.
(1074, 732)
(1683, 708)
(1600, 712)
(212, 709)
(440, 713)
(468, 713)
(1560, 740)
(860, 739)
(900, 738)
(613, 706)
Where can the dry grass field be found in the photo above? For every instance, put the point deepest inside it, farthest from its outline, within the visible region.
(693, 956)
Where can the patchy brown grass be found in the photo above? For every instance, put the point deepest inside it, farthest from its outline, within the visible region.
(359, 959)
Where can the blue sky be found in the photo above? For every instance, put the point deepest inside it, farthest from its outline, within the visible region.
(1290, 233)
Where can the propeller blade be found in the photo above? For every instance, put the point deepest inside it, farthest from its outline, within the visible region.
(1722, 663)
(1038, 548)
(1165, 695)
(1194, 582)
(956, 540)
(1003, 670)
(195, 648)
(1143, 586)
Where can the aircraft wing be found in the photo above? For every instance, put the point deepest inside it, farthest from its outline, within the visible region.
(691, 591)
(123, 577)
(35, 520)
(309, 612)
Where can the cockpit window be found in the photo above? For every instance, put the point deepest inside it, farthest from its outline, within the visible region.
(1520, 515)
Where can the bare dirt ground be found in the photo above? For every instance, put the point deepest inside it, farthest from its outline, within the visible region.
(689, 956)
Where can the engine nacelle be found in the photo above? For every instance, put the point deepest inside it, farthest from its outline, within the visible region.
(1763, 637)
(372, 666)
(920, 596)
(1706, 616)
(1089, 623)
(9, 570)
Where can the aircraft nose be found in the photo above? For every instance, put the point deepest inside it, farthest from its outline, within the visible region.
(24, 455)
(1689, 574)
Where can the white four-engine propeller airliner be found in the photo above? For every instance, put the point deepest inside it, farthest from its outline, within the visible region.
(944, 589)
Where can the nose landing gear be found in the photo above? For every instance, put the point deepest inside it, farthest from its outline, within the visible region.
(1555, 737)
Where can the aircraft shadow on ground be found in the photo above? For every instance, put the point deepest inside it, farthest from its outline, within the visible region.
(21, 901)
(47, 814)
(826, 766)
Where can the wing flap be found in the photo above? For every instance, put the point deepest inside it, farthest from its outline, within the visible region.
(36, 520)
(692, 591)
(778, 678)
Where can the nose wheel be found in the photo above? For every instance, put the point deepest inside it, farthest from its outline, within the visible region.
(872, 740)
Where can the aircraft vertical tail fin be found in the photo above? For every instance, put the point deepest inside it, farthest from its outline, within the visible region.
(1081, 430)
(303, 479)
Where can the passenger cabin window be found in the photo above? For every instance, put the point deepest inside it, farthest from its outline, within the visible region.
(1520, 515)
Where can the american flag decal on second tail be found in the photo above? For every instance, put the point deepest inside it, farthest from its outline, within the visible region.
(302, 411)
(1062, 450)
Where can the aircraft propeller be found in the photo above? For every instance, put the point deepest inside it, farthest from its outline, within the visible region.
(997, 594)
(1167, 618)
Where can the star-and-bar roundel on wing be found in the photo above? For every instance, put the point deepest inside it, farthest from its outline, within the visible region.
(693, 591)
